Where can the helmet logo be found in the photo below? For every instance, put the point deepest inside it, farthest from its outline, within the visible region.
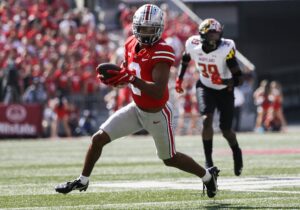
(210, 25)
(205, 28)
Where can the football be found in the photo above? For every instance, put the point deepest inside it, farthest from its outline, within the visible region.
(103, 69)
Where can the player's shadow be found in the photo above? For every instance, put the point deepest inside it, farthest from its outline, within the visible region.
(217, 205)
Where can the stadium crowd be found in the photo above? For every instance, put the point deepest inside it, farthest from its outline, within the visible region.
(49, 50)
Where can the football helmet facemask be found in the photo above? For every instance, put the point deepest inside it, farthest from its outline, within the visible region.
(210, 31)
(148, 24)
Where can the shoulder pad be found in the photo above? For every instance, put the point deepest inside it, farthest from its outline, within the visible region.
(192, 42)
(129, 40)
(163, 52)
(162, 45)
(227, 43)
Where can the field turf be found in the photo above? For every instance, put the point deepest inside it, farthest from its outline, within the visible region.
(130, 176)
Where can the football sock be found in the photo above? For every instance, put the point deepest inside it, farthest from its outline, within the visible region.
(207, 146)
(235, 147)
(83, 179)
(206, 177)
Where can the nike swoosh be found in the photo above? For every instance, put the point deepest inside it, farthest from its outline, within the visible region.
(155, 122)
(144, 59)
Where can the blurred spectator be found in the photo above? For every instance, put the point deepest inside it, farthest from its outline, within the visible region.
(121, 13)
(259, 93)
(260, 96)
(27, 76)
(239, 100)
(275, 120)
(61, 109)
(11, 84)
(111, 100)
(1, 86)
(268, 98)
(76, 80)
(87, 124)
(48, 122)
(73, 119)
(90, 89)
(188, 109)
(61, 78)
(248, 114)
(35, 93)
(123, 97)
(67, 25)
(118, 56)
(88, 19)
(178, 48)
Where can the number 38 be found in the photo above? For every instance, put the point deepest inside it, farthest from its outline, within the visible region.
(211, 71)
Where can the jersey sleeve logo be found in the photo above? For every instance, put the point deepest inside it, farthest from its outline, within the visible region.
(195, 41)
(231, 54)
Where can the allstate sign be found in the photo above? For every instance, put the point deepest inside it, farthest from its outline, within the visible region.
(16, 113)
(18, 120)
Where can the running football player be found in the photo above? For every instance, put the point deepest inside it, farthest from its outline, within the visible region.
(215, 60)
(146, 69)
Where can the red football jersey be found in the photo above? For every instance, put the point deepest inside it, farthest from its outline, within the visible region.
(142, 64)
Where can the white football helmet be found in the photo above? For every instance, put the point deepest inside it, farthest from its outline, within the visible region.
(210, 25)
(148, 24)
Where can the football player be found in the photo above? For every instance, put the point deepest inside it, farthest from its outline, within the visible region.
(219, 71)
(146, 69)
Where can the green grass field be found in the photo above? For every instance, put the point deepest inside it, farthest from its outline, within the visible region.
(130, 176)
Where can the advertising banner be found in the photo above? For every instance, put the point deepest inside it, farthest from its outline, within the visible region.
(20, 120)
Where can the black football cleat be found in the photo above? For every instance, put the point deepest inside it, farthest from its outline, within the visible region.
(69, 186)
(238, 162)
(211, 186)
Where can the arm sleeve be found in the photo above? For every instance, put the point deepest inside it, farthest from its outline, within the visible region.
(231, 59)
(184, 64)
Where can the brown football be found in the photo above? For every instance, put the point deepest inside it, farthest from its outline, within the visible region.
(104, 67)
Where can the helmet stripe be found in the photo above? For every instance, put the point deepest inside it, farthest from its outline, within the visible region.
(147, 16)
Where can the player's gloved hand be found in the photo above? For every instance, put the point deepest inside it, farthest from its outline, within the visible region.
(121, 77)
(229, 83)
(178, 86)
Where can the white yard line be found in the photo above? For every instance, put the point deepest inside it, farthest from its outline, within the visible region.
(259, 184)
(237, 184)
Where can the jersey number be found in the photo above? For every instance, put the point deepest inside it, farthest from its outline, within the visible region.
(136, 69)
(211, 71)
